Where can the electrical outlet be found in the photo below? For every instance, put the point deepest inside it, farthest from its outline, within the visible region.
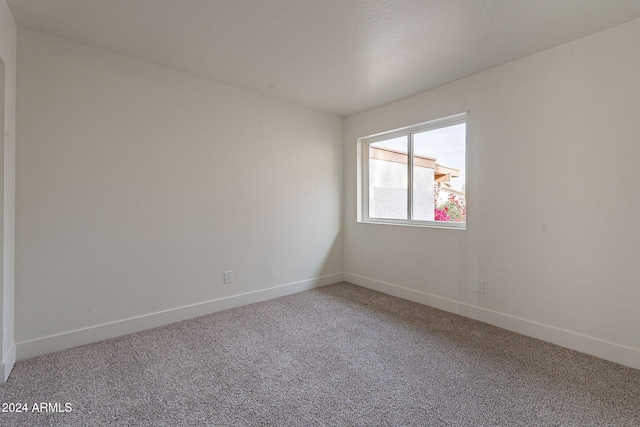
(480, 286)
(228, 277)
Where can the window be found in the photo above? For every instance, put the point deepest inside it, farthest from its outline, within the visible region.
(416, 175)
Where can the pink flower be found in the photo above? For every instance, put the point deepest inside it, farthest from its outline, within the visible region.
(441, 215)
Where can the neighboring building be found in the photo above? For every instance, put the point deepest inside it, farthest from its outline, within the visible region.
(388, 184)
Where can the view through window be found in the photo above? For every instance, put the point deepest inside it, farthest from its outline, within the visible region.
(417, 174)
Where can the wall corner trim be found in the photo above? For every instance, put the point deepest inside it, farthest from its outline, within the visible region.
(7, 363)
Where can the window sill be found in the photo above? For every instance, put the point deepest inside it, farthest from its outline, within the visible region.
(421, 224)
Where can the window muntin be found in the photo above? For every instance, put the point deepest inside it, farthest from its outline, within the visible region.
(416, 175)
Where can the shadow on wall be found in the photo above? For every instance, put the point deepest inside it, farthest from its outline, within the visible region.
(334, 256)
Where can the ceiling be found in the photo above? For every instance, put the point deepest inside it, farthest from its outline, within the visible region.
(341, 56)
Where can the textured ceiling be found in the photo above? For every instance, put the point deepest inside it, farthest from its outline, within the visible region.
(341, 56)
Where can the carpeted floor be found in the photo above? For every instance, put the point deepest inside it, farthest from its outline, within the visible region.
(340, 356)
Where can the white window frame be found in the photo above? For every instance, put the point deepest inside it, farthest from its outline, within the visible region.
(409, 131)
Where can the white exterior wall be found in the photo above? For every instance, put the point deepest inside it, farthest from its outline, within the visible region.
(555, 267)
(423, 197)
(388, 191)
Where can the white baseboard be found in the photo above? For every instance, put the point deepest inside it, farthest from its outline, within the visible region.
(7, 363)
(596, 347)
(52, 343)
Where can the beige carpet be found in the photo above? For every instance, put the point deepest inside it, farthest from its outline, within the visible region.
(338, 356)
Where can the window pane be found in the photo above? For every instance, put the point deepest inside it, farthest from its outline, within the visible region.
(388, 178)
(439, 174)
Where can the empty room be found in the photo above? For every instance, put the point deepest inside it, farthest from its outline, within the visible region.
(320, 212)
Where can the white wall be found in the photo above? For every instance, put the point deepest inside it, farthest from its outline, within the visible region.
(137, 187)
(7, 231)
(556, 243)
